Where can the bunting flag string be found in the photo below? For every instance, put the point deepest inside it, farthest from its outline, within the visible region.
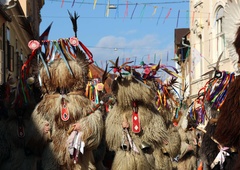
(134, 10)
(178, 18)
(135, 59)
(190, 15)
(168, 14)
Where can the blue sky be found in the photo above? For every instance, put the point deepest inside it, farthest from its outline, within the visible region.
(137, 30)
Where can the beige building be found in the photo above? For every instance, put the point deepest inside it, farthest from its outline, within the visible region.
(20, 24)
(207, 44)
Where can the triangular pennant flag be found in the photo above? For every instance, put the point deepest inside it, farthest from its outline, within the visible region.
(45, 34)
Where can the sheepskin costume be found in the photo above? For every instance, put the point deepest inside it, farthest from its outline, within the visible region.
(227, 131)
(15, 130)
(135, 130)
(64, 107)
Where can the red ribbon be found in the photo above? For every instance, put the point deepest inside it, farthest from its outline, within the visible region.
(87, 51)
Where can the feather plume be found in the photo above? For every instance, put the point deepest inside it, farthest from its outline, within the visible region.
(74, 21)
(230, 27)
(115, 64)
(105, 74)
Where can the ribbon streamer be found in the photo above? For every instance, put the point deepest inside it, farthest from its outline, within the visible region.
(75, 145)
(62, 3)
(126, 10)
(132, 144)
(178, 18)
(142, 12)
(107, 8)
(94, 4)
(220, 158)
(81, 3)
(160, 15)
(134, 10)
(167, 15)
(155, 10)
(73, 3)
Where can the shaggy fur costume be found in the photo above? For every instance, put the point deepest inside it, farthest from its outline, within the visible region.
(153, 132)
(187, 158)
(81, 111)
(227, 131)
(18, 155)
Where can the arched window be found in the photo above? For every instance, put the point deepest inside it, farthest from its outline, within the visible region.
(219, 36)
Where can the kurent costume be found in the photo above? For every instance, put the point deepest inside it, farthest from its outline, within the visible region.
(135, 129)
(227, 131)
(65, 120)
(65, 123)
(19, 103)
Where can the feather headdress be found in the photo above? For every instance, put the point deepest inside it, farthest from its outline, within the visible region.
(230, 27)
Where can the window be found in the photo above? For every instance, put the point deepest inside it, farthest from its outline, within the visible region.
(8, 34)
(219, 33)
(10, 58)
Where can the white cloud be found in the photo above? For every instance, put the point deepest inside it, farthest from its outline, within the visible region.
(130, 32)
(140, 48)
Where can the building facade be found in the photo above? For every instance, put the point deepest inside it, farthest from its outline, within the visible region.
(19, 27)
(208, 51)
